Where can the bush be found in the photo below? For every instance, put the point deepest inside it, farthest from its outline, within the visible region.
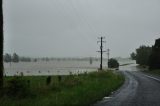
(71, 81)
(59, 78)
(56, 87)
(48, 80)
(17, 87)
(113, 63)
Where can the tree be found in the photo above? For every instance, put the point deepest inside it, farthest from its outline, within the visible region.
(142, 55)
(113, 63)
(7, 58)
(35, 60)
(15, 58)
(133, 56)
(1, 44)
(154, 60)
(25, 59)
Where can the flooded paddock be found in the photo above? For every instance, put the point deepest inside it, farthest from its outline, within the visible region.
(54, 67)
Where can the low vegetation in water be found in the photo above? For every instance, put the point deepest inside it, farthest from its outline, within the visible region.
(83, 89)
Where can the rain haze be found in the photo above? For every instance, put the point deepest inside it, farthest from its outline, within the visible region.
(69, 28)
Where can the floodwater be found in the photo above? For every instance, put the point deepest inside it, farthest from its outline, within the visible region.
(54, 67)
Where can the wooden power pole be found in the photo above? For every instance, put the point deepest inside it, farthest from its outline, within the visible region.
(101, 50)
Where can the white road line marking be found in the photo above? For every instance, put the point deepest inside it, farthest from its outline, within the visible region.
(152, 78)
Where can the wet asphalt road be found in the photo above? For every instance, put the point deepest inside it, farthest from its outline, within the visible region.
(139, 89)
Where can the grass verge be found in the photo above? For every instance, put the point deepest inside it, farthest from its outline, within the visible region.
(154, 72)
(84, 89)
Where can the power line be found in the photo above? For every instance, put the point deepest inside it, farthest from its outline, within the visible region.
(69, 8)
(83, 20)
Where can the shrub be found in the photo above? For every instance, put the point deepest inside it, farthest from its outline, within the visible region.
(48, 80)
(99, 74)
(17, 87)
(59, 78)
(113, 63)
(71, 81)
(56, 86)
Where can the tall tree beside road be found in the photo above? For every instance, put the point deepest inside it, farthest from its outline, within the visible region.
(154, 62)
(142, 55)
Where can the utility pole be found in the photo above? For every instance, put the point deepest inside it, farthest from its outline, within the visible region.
(108, 53)
(101, 50)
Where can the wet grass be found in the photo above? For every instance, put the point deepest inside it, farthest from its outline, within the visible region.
(154, 72)
(84, 89)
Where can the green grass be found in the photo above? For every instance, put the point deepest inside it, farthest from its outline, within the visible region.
(80, 90)
(154, 72)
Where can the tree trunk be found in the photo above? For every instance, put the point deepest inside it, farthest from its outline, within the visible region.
(1, 44)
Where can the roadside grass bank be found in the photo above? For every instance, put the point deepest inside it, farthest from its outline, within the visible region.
(142, 67)
(146, 69)
(83, 89)
(154, 72)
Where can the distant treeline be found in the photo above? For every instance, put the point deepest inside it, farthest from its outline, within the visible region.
(16, 58)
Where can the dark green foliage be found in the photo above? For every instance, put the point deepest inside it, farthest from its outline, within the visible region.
(71, 81)
(56, 86)
(142, 55)
(153, 71)
(17, 87)
(28, 83)
(15, 58)
(154, 61)
(59, 78)
(113, 63)
(25, 59)
(98, 74)
(7, 58)
(35, 60)
(133, 56)
(48, 80)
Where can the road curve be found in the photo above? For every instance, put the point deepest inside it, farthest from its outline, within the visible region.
(139, 89)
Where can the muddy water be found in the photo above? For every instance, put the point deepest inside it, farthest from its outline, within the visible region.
(54, 67)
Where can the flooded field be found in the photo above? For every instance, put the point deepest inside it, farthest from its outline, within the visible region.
(54, 67)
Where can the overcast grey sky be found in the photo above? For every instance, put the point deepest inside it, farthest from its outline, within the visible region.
(69, 28)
